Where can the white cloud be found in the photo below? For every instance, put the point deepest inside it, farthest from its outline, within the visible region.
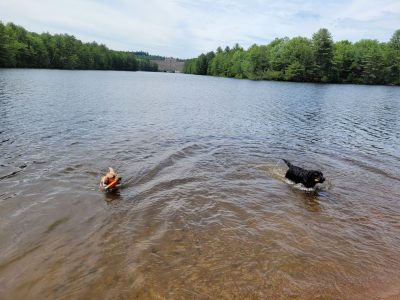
(186, 28)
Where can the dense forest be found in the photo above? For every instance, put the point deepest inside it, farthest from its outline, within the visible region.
(146, 55)
(20, 48)
(318, 59)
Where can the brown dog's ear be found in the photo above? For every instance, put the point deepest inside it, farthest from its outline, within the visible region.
(111, 170)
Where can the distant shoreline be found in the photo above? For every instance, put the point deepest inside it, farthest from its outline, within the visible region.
(20, 48)
(300, 59)
(182, 73)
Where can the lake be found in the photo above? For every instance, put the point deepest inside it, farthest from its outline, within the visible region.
(205, 211)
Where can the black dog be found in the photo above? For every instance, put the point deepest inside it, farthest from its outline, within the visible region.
(309, 178)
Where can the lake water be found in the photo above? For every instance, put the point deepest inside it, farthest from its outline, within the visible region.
(205, 211)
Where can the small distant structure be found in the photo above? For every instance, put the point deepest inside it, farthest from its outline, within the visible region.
(169, 64)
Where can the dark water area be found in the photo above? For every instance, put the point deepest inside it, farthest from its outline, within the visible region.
(205, 211)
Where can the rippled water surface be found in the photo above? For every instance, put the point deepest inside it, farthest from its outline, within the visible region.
(205, 211)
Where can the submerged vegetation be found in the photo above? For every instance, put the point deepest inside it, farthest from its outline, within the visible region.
(318, 59)
(20, 48)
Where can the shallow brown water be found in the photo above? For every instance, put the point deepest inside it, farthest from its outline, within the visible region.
(205, 212)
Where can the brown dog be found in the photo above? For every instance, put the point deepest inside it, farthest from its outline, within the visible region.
(109, 178)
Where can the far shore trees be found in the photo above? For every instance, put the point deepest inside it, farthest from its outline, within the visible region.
(318, 59)
(20, 48)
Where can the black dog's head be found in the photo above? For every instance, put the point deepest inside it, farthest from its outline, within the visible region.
(315, 177)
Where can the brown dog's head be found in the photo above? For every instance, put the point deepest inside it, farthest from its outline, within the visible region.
(112, 175)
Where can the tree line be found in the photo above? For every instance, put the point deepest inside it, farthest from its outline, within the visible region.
(20, 48)
(318, 59)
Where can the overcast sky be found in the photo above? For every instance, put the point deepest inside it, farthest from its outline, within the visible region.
(186, 28)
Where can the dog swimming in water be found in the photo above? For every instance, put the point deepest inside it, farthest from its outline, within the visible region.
(308, 178)
(110, 180)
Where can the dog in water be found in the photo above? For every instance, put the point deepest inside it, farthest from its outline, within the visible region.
(109, 178)
(308, 178)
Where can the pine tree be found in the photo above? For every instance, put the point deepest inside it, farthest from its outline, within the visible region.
(323, 54)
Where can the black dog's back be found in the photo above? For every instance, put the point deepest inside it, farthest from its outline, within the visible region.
(309, 178)
(295, 173)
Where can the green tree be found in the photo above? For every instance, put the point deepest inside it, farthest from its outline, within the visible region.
(255, 62)
(201, 65)
(39, 54)
(12, 47)
(295, 72)
(236, 63)
(217, 64)
(5, 53)
(393, 59)
(342, 62)
(323, 53)
(189, 66)
(395, 40)
(369, 63)
(298, 59)
(276, 59)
